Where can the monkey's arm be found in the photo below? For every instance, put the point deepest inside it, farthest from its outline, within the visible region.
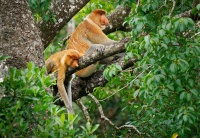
(61, 88)
(96, 36)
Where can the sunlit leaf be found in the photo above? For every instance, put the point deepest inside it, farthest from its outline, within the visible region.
(175, 135)
(62, 118)
(95, 128)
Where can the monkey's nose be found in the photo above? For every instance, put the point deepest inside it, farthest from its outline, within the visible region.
(106, 23)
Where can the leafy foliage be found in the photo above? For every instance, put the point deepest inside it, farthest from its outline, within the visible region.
(41, 10)
(165, 99)
(160, 95)
(28, 110)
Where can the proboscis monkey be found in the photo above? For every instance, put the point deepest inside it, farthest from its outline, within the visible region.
(60, 62)
(87, 34)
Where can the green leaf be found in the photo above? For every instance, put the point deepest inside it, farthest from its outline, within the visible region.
(41, 128)
(139, 26)
(178, 81)
(70, 117)
(161, 33)
(198, 7)
(4, 57)
(184, 64)
(46, 17)
(118, 67)
(188, 97)
(169, 26)
(191, 82)
(164, 45)
(62, 118)
(185, 118)
(84, 128)
(135, 94)
(88, 126)
(194, 92)
(94, 128)
(183, 95)
(170, 87)
(147, 41)
(166, 40)
(173, 67)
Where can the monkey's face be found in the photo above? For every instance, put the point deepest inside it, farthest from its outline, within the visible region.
(98, 16)
(73, 58)
(74, 63)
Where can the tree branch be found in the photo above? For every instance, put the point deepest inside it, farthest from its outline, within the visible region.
(109, 121)
(63, 11)
(116, 20)
(82, 86)
(174, 3)
(84, 109)
(107, 51)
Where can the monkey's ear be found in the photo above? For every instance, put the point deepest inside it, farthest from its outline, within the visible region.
(74, 55)
(100, 11)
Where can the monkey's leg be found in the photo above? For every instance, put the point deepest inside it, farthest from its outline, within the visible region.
(61, 89)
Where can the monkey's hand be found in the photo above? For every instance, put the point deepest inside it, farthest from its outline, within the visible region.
(95, 47)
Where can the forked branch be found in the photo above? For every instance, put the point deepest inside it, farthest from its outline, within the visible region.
(109, 121)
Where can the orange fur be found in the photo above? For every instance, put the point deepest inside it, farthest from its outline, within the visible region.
(60, 62)
(87, 33)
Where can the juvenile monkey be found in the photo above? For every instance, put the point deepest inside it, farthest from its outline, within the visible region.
(60, 62)
(88, 34)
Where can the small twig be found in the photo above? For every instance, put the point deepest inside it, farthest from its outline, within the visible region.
(174, 3)
(84, 109)
(186, 34)
(104, 129)
(138, 3)
(195, 34)
(164, 5)
(110, 122)
(125, 85)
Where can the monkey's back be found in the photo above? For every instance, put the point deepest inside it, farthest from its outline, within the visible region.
(77, 39)
(83, 36)
(56, 59)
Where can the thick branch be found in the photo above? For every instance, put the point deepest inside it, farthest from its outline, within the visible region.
(107, 51)
(82, 86)
(116, 20)
(63, 11)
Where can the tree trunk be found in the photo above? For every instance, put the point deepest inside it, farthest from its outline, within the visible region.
(19, 35)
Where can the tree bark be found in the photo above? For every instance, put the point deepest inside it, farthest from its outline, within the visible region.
(116, 20)
(19, 35)
(63, 11)
(82, 86)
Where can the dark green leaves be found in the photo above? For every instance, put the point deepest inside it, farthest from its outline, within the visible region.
(182, 24)
(112, 71)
